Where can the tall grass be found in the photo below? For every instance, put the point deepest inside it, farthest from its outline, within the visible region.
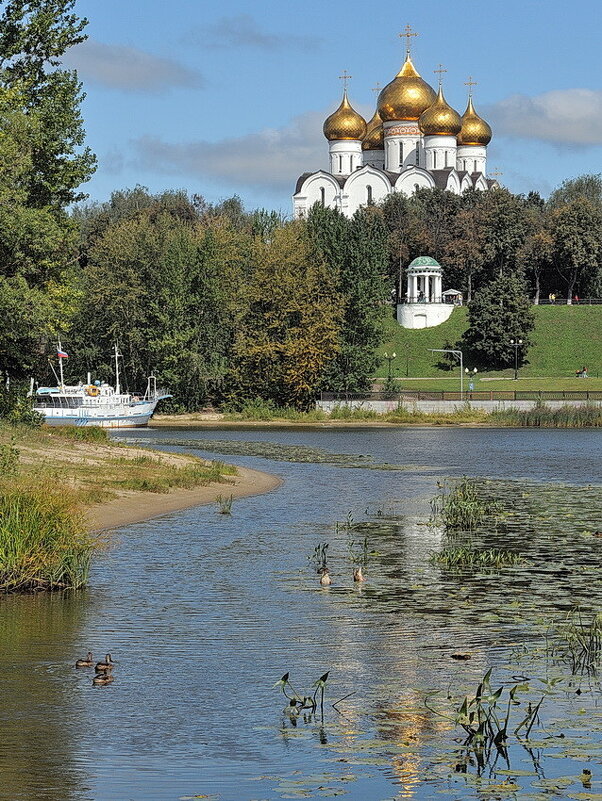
(466, 558)
(43, 543)
(459, 507)
(542, 416)
(79, 433)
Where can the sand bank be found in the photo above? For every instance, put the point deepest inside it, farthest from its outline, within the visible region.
(132, 507)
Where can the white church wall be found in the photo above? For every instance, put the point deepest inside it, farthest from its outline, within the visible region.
(401, 141)
(319, 188)
(409, 181)
(471, 158)
(364, 187)
(439, 152)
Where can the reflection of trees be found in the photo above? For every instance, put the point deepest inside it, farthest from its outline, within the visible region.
(38, 636)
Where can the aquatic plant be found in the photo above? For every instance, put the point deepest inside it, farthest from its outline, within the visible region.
(225, 504)
(577, 642)
(319, 557)
(465, 557)
(80, 433)
(459, 506)
(543, 416)
(297, 702)
(485, 718)
(43, 543)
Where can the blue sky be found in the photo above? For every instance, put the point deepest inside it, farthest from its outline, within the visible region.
(225, 98)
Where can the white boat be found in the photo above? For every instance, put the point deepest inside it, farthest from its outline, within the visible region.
(96, 403)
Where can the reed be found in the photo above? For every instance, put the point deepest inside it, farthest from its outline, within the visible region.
(80, 433)
(465, 558)
(43, 543)
(577, 642)
(459, 507)
(225, 504)
(542, 416)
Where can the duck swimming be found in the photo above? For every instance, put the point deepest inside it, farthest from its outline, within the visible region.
(325, 579)
(358, 575)
(87, 662)
(103, 678)
(106, 665)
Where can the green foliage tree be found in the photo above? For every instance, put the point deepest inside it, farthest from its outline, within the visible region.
(584, 187)
(34, 34)
(356, 251)
(24, 314)
(500, 311)
(577, 227)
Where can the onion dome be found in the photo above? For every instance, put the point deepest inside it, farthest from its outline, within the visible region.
(474, 131)
(345, 123)
(375, 136)
(406, 97)
(440, 119)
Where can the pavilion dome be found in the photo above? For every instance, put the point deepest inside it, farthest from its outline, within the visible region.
(425, 261)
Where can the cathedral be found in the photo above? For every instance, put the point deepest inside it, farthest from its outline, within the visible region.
(415, 140)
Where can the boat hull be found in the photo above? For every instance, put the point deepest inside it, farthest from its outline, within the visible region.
(134, 417)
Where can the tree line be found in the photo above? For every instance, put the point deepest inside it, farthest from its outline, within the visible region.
(225, 304)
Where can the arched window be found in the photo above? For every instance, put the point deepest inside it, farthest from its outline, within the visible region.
(475, 165)
(446, 155)
(369, 195)
(401, 154)
(322, 196)
(416, 187)
(417, 154)
(434, 159)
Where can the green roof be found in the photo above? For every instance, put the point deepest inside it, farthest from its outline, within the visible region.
(425, 261)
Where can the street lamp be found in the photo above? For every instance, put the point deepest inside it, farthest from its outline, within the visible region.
(389, 359)
(472, 375)
(516, 344)
(457, 354)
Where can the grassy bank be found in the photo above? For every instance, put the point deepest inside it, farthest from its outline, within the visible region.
(48, 477)
(565, 339)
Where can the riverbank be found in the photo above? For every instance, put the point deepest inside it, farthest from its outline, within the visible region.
(135, 507)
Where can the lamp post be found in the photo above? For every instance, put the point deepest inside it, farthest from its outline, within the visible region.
(516, 344)
(389, 359)
(458, 355)
(472, 375)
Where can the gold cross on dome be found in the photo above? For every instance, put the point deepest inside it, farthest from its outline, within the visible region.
(496, 173)
(470, 83)
(440, 72)
(377, 88)
(408, 33)
(345, 77)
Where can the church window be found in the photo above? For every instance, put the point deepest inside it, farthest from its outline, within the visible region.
(434, 159)
(340, 163)
(475, 165)
(369, 195)
(417, 154)
(322, 196)
(446, 155)
(416, 187)
(401, 154)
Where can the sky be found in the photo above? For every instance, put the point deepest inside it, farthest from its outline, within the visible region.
(229, 97)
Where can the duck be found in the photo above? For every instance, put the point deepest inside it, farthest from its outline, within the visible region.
(325, 579)
(358, 575)
(103, 678)
(87, 662)
(106, 665)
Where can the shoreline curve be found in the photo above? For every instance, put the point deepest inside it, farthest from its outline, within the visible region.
(135, 507)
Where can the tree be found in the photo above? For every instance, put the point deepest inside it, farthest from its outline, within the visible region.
(24, 315)
(34, 34)
(503, 226)
(289, 330)
(577, 244)
(500, 311)
(356, 252)
(584, 187)
(535, 255)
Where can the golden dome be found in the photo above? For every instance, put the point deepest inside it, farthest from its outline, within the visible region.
(345, 123)
(375, 136)
(440, 119)
(474, 131)
(406, 97)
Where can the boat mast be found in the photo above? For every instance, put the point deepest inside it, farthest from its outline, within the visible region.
(60, 350)
(117, 355)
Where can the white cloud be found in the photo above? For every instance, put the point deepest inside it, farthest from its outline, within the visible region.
(128, 68)
(241, 30)
(562, 116)
(273, 158)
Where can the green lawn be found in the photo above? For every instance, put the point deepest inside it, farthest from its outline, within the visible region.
(565, 339)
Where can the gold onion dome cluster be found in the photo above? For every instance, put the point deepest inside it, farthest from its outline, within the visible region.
(345, 123)
(474, 131)
(440, 119)
(406, 97)
(375, 135)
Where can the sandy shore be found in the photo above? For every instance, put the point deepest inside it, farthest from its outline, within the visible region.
(132, 507)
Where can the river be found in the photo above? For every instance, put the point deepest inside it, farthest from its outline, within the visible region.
(204, 612)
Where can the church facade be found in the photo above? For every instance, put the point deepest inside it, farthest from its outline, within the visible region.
(415, 140)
